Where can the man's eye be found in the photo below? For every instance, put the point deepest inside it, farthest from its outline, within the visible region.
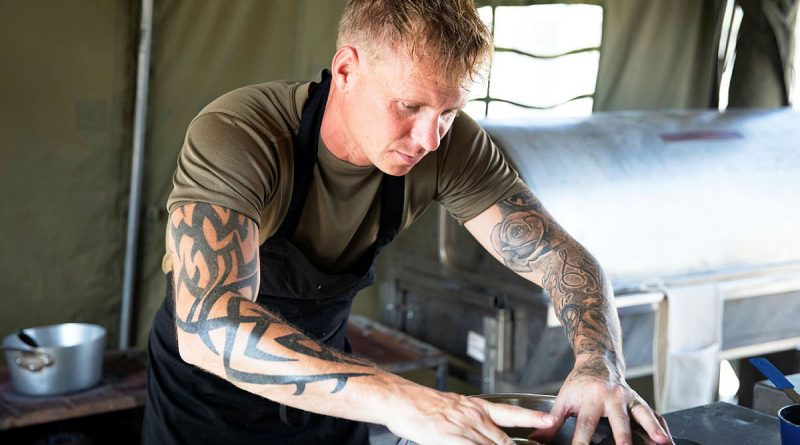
(409, 107)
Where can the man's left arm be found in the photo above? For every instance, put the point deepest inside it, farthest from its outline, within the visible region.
(520, 233)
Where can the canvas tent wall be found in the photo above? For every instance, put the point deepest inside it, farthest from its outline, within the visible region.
(67, 90)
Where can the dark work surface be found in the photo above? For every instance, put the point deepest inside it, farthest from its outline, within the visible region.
(117, 428)
(723, 423)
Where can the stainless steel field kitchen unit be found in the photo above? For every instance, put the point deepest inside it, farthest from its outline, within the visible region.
(695, 217)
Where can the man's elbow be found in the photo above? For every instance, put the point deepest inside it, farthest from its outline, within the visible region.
(188, 350)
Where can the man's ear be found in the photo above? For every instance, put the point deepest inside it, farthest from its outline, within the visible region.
(345, 67)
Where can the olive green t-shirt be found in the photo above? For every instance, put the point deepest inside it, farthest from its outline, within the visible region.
(238, 154)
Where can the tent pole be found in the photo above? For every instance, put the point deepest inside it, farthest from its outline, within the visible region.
(134, 203)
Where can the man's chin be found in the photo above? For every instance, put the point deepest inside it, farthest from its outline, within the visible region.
(398, 172)
(395, 170)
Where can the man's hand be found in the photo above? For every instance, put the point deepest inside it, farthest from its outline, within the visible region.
(434, 418)
(521, 234)
(593, 390)
(221, 329)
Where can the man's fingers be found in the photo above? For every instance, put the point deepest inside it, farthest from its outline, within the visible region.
(465, 427)
(485, 430)
(514, 416)
(665, 427)
(510, 415)
(474, 436)
(656, 428)
(588, 417)
(560, 413)
(620, 423)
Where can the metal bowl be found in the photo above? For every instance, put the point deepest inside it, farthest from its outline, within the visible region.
(541, 402)
(68, 358)
(537, 402)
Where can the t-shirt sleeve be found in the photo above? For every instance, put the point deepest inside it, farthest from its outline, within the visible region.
(225, 161)
(473, 174)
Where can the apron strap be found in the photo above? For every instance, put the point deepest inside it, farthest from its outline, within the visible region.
(392, 204)
(292, 417)
(305, 153)
(305, 157)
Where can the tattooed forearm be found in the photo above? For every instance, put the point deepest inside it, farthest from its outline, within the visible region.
(528, 240)
(523, 236)
(596, 366)
(215, 251)
(576, 285)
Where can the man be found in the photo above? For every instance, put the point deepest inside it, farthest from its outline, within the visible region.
(284, 194)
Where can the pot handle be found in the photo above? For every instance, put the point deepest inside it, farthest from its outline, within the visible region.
(31, 360)
(27, 339)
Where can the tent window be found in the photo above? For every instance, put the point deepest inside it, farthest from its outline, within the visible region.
(546, 61)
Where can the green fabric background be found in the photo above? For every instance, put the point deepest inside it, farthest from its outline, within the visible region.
(201, 51)
(67, 92)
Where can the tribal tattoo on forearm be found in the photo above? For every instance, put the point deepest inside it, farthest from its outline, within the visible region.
(529, 240)
(217, 269)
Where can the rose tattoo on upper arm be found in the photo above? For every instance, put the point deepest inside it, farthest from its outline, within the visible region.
(518, 238)
(523, 236)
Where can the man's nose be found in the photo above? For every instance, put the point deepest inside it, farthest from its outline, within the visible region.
(427, 132)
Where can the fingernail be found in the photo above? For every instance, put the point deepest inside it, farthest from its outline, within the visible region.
(548, 418)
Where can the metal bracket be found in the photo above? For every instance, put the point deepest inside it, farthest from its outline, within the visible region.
(498, 333)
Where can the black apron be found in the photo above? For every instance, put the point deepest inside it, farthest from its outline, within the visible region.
(188, 405)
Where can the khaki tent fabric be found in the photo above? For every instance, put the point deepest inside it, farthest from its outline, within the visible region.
(200, 51)
(762, 74)
(657, 54)
(67, 95)
(65, 107)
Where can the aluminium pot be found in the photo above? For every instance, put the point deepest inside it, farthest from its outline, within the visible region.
(68, 358)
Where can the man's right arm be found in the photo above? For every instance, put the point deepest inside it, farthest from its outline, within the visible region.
(222, 330)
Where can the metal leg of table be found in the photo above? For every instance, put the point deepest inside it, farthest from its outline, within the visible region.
(441, 377)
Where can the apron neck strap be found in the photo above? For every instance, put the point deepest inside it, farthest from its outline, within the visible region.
(305, 153)
(305, 148)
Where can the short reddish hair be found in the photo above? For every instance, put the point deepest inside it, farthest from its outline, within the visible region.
(448, 32)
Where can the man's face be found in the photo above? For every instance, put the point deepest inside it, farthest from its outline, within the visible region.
(396, 111)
